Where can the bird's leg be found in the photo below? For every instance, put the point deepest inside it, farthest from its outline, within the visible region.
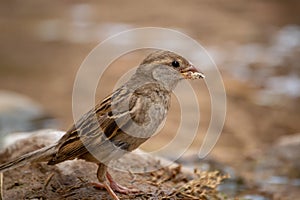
(102, 169)
(106, 181)
(119, 188)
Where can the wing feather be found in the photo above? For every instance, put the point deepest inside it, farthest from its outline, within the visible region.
(106, 122)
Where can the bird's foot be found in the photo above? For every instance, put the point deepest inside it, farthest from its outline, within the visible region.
(106, 186)
(113, 185)
(119, 188)
(122, 189)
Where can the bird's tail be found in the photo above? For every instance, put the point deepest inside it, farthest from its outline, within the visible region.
(40, 155)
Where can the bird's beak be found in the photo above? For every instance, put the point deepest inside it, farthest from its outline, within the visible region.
(192, 72)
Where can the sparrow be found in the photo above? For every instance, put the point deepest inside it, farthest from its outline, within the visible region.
(121, 122)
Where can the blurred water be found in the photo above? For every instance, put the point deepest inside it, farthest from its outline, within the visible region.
(79, 27)
(274, 66)
(255, 63)
(288, 85)
(253, 197)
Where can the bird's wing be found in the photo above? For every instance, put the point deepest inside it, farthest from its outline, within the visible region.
(72, 144)
(97, 126)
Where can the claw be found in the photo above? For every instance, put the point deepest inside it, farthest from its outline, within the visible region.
(110, 185)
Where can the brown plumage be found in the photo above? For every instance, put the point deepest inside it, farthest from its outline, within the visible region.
(121, 122)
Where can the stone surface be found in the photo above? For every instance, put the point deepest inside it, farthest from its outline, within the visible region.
(157, 178)
(20, 113)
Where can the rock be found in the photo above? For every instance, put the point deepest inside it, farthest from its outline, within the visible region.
(70, 179)
(19, 113)
(283, 159)
(288, 147)
(278, 168)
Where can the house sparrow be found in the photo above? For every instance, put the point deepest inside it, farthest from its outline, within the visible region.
(121, 122)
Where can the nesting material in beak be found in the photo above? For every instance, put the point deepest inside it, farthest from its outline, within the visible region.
(192, 73)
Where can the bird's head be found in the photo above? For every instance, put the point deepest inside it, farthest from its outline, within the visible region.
(167, 68)
(173, 61)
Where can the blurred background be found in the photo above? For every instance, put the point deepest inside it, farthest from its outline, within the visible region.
(256, 46)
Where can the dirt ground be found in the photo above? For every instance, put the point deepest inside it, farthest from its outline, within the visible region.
(45, 69)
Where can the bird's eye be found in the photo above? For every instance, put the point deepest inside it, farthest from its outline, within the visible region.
(175, 63)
